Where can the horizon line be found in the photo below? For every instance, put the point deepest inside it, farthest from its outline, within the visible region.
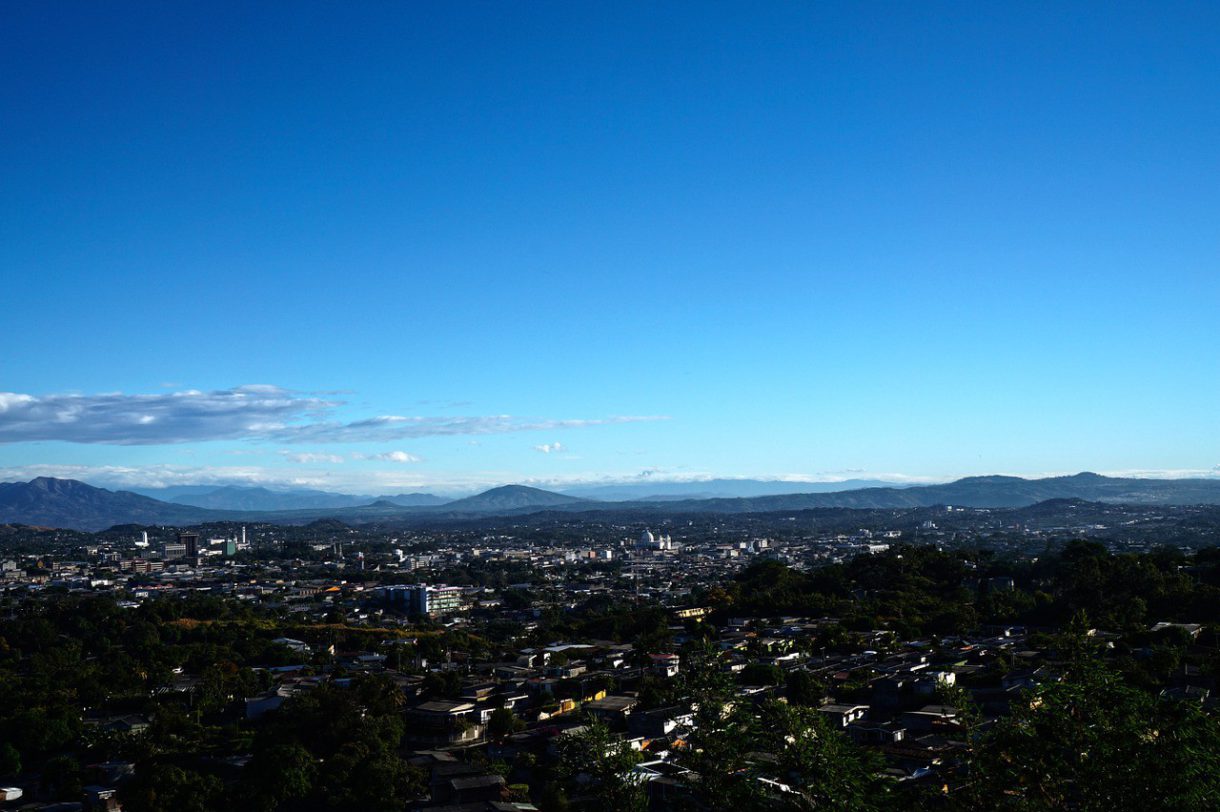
(888, 480)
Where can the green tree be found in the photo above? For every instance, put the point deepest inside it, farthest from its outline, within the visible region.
(803, 688)
(720, 754)
(596, 767)
(166, 788)
(820, 766)
(361, 778)
(10, 761)
(61, 779)
(442, 685)
(338, 743)
(761, 674)
(554, 799)
(281, 774)
(503, 722)
(1092, 742)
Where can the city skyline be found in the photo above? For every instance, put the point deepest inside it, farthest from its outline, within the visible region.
(390, 248)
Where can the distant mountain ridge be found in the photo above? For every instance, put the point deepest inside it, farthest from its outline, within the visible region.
(715, 489)
(414, 499)
(50, 502)
(981, 492)
(235, 497)
(71, 504)
(512, 498)
(255, 498)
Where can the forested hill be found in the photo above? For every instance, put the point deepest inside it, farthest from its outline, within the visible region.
(68, 503)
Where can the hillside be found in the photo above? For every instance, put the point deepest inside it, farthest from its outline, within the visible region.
(68, 503)
(413, 500)
(232, 497)
(510, 498)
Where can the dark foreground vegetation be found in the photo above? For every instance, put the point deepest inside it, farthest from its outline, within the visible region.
(1074, 680)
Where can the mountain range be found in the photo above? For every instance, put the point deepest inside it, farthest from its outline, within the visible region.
(715, 489)
(980, 492)
(68, 503)
(72, 504)
(248, 498)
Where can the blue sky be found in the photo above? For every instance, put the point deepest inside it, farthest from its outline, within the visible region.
(393, 245)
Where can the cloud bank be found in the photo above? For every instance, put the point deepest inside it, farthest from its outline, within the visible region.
(257, 412)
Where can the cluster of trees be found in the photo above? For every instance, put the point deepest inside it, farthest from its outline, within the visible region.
(328, 749)
(1095, 742)
(741, 756)
(333, 748)
(923, 590)
(66, 658)
(604, 617)
(61, 656)
(1100, 738)
(1090, 741)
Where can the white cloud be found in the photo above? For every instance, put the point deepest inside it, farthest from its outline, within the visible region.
(1162, 473)
(549, 448)
(387, 428)
(153, 476)
(389, 456)
(252, 412)
(399, 456)
(311, 456)
(350, 479)
(175, 417)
